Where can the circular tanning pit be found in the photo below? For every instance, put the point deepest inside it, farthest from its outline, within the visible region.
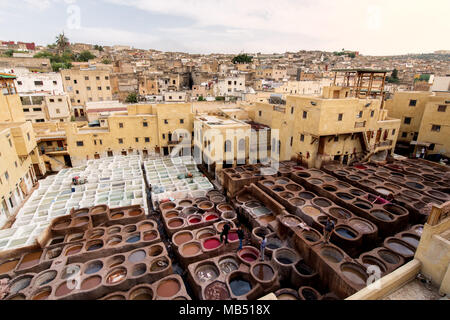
(291, 221)
(354, 177)
(303, 174)
(245, 197)
(117, 215)
(311, 211)
(70, 271)
(181, 237)
(263, 272)
(361, 225)
(228, 265)
(138, 270)
(268, 183)
(286, 294)
(115, 261)
(135, 212)
(115, 297)
(315, 181)
(411, 238)
(354, 273)
(219, 225)
(293, 187)
(71, 250)
(116, 275)
(228, 215)
(53, 253)
(395, 209)
(286, 195)
(357, 192)
(167, 206)
(331, 254)
(236, 176)
(389, 257)
(415, 185)
(278, 188)
(93, 267)
(205, 233)
(94, 245)
(159, 264)
(99, 209)
(211, 217)
(185, 203)
(343, 185)
(113, 230)
(273, 243)
(311, 235)
(97, 233)
(363, 205)
(175, 223)
(330, 188)
(307, 195)
(303, 268)
(64, 289)
(150, 235)
(346, 232)
(19, 284)
(437, 194)
(345, 196)
(297, 202)
(62, 224)
(218, 199)
(340, 213)
(137, 256)
(382, 215)
(224, 207)
(211, 243)
(266, 219)
(206, 272)
(369, 260)
(91, 283)
(168, 288)
(146, 226)
(401, 248)
(248, 254)
(286, 256)
(216, 291)
(260, 232)
(308, 293)
(322, 202)
(155, 250)
(240, 284)
(81, 213)
(194, 219)
(190, 249)
(171, 214)
(114, 240)
(45, 278)
(282, 181)
(75, 237)
(134, 237)
(80, 221)
(206, 205)
(42, 294)
(141, 293)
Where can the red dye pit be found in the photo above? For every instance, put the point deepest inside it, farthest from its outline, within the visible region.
(361, 167)
(211, 217)
(195, 220)
(232, 236)
(248, 257)
(211, 243)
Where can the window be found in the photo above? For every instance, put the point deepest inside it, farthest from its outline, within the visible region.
(120, 141)
(37, 109)
(88, 88)
(147, 139)
(292, 110)
(78, 101)
(97, 78)
(181, 121)
(19, 83)
(229, 83)
(86, 78)
(404, 134)
(436, 128)
(106, 78)
(242, 145)
(145, 124)
(431, 147)
(39, 83)
(179, 97)
(75, 81)
(340, 116)
(372, 113)
(15, 163)
(28, 136)
(67, 78)
(336, 138)
(302, 137)
(100, 141)
(227, 146)
(407, 120)
(26, 110)
(164, 136)
(110, 153)
(57, 110)
(55, 82)
(120, 125)
(136, 139)
(108, 88)
(99, 88)
(170, 97)
(80, 143)
(359, 114)
(393, 131)
(6, 175)
(412, 103)
(95, 142)
(305, 114)
(260, 113)
(292, 140)
(59, 100)
(166, 121)
(77, 91)
(442, 108)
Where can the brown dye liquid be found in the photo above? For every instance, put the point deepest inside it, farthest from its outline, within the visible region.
(182, 238)
(145, 227)
(80, 222)
(117, 215)
(8, 266)
(134, 213)
(175, 223)
(286, 296)
(267, 219)
(190, 249)
(354, 276)
(91, 282)
(63, 290)
(205, 206)
(172, 215)
(311, 211)
(206, 235)
(168, 288)
(62, 225)
(149, 236)
(43, 295)
(73, 250)
(143, 296)
(116, 276)
(30, 260)
(264, 272)
(361, 226)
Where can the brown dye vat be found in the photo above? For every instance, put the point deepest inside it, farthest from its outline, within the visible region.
(205, 234)
(394, 209)
(159, 264)
(114, 241)
(141, 294)
(286, 195)
(167, 205)
(91, 282)
(19, 284)
(329, 188)
(62, 224)
(145, 226)
(263, 272)
(308, 293)
(113, 230)
(171, 214)
(135, 212)
(116, 275)
(218, 199)
(190, 249)
(360, 225)
(399, 247)
(99, 209)
(286, 296)
(8, 266)
(77, 222)
(216, 291)
(116, 297)
(63, 289)
(182, 238)
(293, 187)
(115, 261)
(224, 207)
(206, 205)
(291, 221)
(311, 235)
(411, 239)
(369, 260)
(331, 254)
(311, 211)
(155, 251)
(73, 250)
(168, 288)
(30, 260)
(297, 202)
(382, 215)
(97, 234)
(389, 257)
(354, 273)
(345, 196)
(185, 203)
(357, 192)
(321, 202)
(175, 223)
(42, 295)
(81, 213)
(307, 195)
(267, 219)
(117, 215)
(94, 245)
(149, 236)
(340, 213)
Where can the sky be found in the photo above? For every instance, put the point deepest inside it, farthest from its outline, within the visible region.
(372, 27)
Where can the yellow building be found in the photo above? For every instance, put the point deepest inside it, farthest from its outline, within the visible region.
(424, 121)
(314, 130)
(142, 129)
(18, 151)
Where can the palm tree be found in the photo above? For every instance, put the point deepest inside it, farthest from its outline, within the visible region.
(62, 43)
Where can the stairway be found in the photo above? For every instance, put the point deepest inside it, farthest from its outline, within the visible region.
(54, 162)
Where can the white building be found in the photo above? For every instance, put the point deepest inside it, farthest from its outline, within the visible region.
(230, 86)
(30, 82)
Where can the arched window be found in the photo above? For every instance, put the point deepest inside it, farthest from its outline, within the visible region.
(242, 145)
(227, 145)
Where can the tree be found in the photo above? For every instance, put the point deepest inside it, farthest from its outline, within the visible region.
(132, 98)
(394, 77)
(62, 43)
(200, 98)
(9, 53)
(352, 55)
(99, 48)
(106, 61)
(85, 56)
(220, 98)
(242, 58)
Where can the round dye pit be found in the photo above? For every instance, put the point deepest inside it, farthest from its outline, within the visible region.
(171, 214)
(139, 270)
(117, 215)
(211, 217)
(168, 288)
(340, 213)
(248, 256)
(311, 211)
(297, 202)
(399, 247)
(155, 251)
(372, 261)
(93, 267)
(389, 257)
(303, 268)
(345, 196)
(311, 235)
(293, 187)
(94, 245)
(332, 254)
(263, 272)
(411, 239)
(45, 278)
(354, 273)
(233, 236)
(345, 233)
(206, 205)
(151, 235)
(382, 215)
(115, 261)
(19, 284)
(29, 260)
(62, 224)
(239, 286)
(70, 271)
(97, 233)
(322, 202)
(217, 291)
(91, 283)
(8, 266)
(206, 272)
(42, 294)
(308, 294)
(129, 229)
(114, 230)
(159, 265)
(78, 222)
(361, 226)
(141, 294)
(185, 203)
(73, 250)
(306, 195)
(363, 205)
(116, 276)
(286, 296)
(228, 265)
(175, 223)
(182, 237)
(134, 238)
(135, 212)
(113, 241)
(167, 205)
(285, 256)
(211, 243)
(190, 249)
(137, 256)
(64, 289)
(224, 207)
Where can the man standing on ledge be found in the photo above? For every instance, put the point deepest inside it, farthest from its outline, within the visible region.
(328, 228)
(224, 233)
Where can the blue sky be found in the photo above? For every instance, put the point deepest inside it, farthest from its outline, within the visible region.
(374, 27)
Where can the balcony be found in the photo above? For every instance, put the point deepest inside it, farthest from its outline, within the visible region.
(360, 124)
(54, 151)
(382, 144)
